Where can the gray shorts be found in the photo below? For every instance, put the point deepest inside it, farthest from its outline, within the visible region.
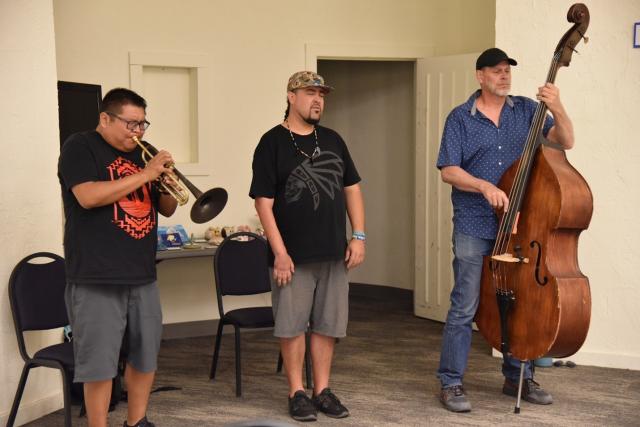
(99, 316)
(318, 296)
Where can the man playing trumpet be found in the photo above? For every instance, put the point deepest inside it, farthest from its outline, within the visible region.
(111, 212)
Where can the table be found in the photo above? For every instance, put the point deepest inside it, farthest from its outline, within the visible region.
(185, 253)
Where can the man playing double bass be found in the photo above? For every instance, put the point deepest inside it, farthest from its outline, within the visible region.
(482, 138)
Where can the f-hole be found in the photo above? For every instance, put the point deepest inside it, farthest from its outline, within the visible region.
(533, 244)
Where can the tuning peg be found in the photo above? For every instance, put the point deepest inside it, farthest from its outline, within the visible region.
(586, 39)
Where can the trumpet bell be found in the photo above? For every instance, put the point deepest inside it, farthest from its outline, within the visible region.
(209, 205)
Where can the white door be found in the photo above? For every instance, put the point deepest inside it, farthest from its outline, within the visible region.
(444, 82)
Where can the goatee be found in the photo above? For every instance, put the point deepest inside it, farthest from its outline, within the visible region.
(312, 121)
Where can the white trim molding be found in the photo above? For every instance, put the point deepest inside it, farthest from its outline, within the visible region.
(200, 66)
(31, 410)
(600, 359)
(363, 52)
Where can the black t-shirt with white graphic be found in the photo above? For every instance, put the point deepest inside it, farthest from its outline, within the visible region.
(309, 202)
(112, 244)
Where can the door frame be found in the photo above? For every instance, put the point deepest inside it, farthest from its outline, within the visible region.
(431, 271)
(447, 81)
(363, 52)
(416, 54)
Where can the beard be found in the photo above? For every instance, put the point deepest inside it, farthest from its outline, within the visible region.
(494, 89)
(312, 118)
(314, 113)
(503, 92)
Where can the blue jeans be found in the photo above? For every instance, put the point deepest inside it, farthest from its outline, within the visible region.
(465, 296)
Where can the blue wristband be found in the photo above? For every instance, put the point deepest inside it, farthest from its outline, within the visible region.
(359, 235)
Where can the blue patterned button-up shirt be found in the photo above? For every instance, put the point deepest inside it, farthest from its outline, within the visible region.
(473, 142)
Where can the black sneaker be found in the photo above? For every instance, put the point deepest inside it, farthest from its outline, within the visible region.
(531, 392)
(301, 408)
(454, 399)
(330, 405)
(144, 422)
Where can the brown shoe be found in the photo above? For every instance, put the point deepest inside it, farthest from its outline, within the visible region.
(531, 392)
(454, 399)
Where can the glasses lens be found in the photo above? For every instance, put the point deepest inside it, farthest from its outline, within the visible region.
(133, 125)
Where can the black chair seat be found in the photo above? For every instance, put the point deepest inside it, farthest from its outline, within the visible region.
(252, 317)
(62, 353)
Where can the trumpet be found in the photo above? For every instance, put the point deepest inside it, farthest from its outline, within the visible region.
(207, 205)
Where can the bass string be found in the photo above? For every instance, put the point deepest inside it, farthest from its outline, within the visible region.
(508, 221)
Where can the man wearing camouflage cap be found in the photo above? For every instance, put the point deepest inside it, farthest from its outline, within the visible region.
(304, 181)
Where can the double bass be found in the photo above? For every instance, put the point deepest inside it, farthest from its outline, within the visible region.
(535, 302)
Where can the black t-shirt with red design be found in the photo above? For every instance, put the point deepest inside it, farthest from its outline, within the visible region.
(112, 244)
(309, 201)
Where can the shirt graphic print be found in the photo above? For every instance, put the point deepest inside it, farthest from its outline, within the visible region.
(324, 174)
(133, 213)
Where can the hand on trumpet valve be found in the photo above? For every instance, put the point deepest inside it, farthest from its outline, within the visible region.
(160, 164)
(169, 178)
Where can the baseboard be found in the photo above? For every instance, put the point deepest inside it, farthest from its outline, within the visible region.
(382, 292)
(33, 410)
(607, 360)
(203, 328)
(199, 328)
(600, 359)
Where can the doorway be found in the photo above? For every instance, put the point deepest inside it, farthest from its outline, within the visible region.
(373, 108)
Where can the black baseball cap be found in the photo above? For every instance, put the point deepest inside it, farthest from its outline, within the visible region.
(492, 57)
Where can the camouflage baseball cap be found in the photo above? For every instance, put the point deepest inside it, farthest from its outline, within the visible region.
(303, 79)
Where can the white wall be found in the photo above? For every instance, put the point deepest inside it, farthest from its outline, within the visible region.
(601, 92)
(30, 208)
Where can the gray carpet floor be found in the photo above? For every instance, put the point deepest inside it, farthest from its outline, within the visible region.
(384, 372)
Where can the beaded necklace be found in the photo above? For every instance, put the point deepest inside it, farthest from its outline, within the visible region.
(316, 150)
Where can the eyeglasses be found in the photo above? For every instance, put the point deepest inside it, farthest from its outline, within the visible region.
(131, 124)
